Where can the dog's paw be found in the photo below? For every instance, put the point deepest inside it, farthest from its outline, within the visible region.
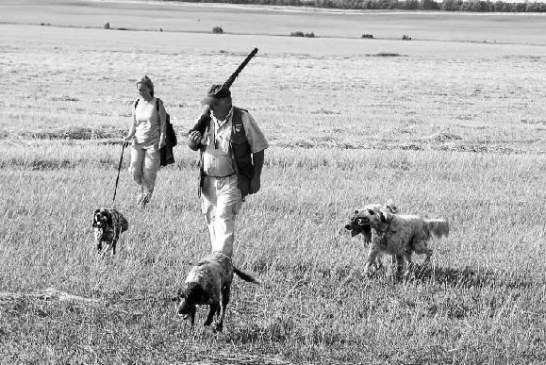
(218, 327)
(368, 272)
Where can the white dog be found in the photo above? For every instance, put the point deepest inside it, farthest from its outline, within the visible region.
(398, 235)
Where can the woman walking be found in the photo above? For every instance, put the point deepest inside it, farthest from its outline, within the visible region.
(147, 133)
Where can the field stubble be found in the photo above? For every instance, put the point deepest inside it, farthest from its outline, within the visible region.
(457, 134)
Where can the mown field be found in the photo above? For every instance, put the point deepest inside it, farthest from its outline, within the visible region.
(444, 128)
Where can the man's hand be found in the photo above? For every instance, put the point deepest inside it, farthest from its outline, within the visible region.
(194, 139)
(128, 140)
(254, 184)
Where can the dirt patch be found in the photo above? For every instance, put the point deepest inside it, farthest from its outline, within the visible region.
(48, 295)
(445, 137)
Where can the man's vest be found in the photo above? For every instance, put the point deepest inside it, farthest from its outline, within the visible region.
(241, 154)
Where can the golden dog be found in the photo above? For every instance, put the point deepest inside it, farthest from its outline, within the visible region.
(398, 235)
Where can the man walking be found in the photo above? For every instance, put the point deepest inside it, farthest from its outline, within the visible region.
(232, 156)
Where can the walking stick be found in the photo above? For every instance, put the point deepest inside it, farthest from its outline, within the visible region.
(119, 169)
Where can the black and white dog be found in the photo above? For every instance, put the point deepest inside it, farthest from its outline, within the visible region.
(108, 224)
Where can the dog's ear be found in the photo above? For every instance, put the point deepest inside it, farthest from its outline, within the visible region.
(389, 205)
(385, 215)
(194, 293)
(95, 217)
(437, 227)
(109, 217)
(200, 295)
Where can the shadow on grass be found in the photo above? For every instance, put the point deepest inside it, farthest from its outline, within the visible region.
(467, 277)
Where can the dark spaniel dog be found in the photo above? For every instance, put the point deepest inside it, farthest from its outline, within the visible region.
(209, 283)
(108, 224)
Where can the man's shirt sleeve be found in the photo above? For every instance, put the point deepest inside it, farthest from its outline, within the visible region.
(255, 136)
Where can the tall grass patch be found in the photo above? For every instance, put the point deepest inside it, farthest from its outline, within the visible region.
(484, 280)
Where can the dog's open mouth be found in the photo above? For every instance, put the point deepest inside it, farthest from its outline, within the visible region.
(354, 232)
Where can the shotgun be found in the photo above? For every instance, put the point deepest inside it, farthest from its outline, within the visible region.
(201, 124)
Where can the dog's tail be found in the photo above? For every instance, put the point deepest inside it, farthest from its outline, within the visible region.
(437, 227)
(245, 276)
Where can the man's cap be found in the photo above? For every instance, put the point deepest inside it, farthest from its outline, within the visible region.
(215, 93)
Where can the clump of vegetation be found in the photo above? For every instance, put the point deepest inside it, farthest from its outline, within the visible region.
(78, 133)
(302, 34)
(385, 54)
(107, 26)
(217, 30)
(406, 38)
(369, 36)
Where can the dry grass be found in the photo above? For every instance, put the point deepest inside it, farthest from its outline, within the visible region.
(449, 129)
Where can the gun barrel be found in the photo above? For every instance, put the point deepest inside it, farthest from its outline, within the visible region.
(205, 117)
(243, 64)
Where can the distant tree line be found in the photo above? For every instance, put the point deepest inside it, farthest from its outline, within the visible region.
(446, 5)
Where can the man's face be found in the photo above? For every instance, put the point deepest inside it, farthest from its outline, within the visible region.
(221, 108)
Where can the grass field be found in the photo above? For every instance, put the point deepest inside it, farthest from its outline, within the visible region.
(446, 126)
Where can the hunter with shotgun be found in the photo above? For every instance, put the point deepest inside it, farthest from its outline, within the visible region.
(231, 149)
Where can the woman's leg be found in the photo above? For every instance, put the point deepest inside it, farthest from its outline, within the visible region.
(150, 167)
(136, 168)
